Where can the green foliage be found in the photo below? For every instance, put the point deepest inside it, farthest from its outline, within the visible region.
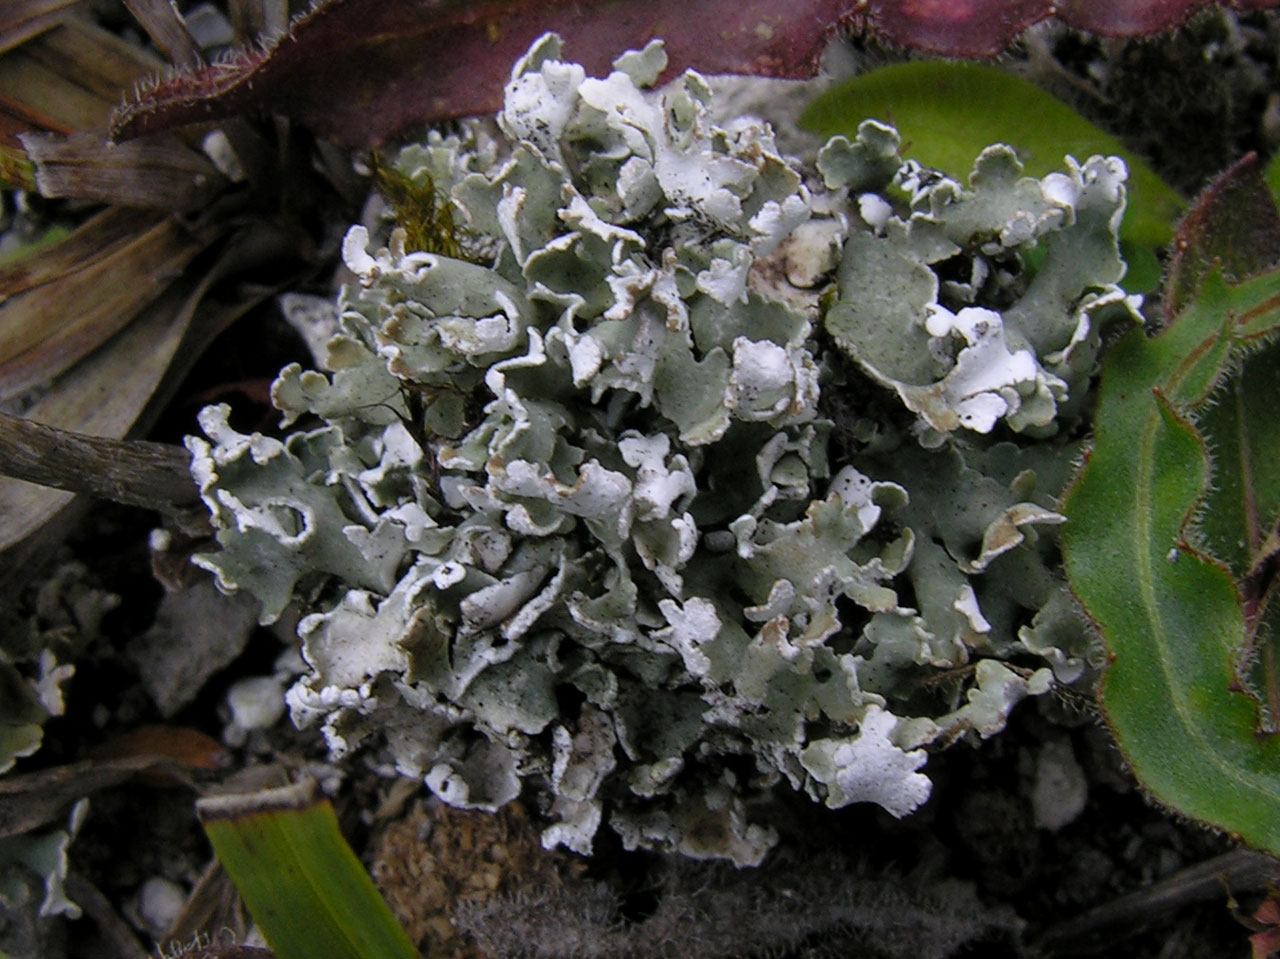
(1171, 534)
(948, 112)
(300, 880)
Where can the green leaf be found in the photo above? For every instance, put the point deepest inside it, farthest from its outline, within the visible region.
(298, 877)
(1178, 625)
(948, 112)
(1237, 523)
(1235, 227)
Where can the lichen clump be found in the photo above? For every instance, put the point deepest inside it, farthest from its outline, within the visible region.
(576, 514)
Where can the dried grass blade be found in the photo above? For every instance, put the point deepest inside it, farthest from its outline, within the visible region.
(97, 238)
(113, 392)
(252, 19)
(167, 29)
(46, 330)
(96, 59)
(53, 101)
(159, 172)
(24, 19)
(69, 78)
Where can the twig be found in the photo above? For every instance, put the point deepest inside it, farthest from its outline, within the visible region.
(1240, 870)
(136, 472)
(116, 939)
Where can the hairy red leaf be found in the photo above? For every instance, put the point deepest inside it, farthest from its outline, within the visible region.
(359, 71)
(1234, 225)
(984, 28)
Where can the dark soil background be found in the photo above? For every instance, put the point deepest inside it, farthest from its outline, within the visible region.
(1192, 103)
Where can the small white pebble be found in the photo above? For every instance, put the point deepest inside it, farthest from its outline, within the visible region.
(1061, 790)
(223, 155)
(256, 702)
(160, 901)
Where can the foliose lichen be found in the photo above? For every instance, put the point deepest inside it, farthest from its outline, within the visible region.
(41, 635)
(39, 642)
(618, 503)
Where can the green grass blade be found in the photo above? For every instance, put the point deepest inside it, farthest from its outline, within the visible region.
(948, 113)
(298, 877)
(1173, 618)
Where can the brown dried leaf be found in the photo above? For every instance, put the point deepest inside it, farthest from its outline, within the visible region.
(110, 392)
(167, 30)
(95, 239)
(70, 77)
(50, 327)
(24, 19)
(183, 744)
(158, 172)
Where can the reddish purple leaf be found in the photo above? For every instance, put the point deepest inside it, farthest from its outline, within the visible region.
(984, 28)
(1234, 226)
(960, 28)
(360, 71)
